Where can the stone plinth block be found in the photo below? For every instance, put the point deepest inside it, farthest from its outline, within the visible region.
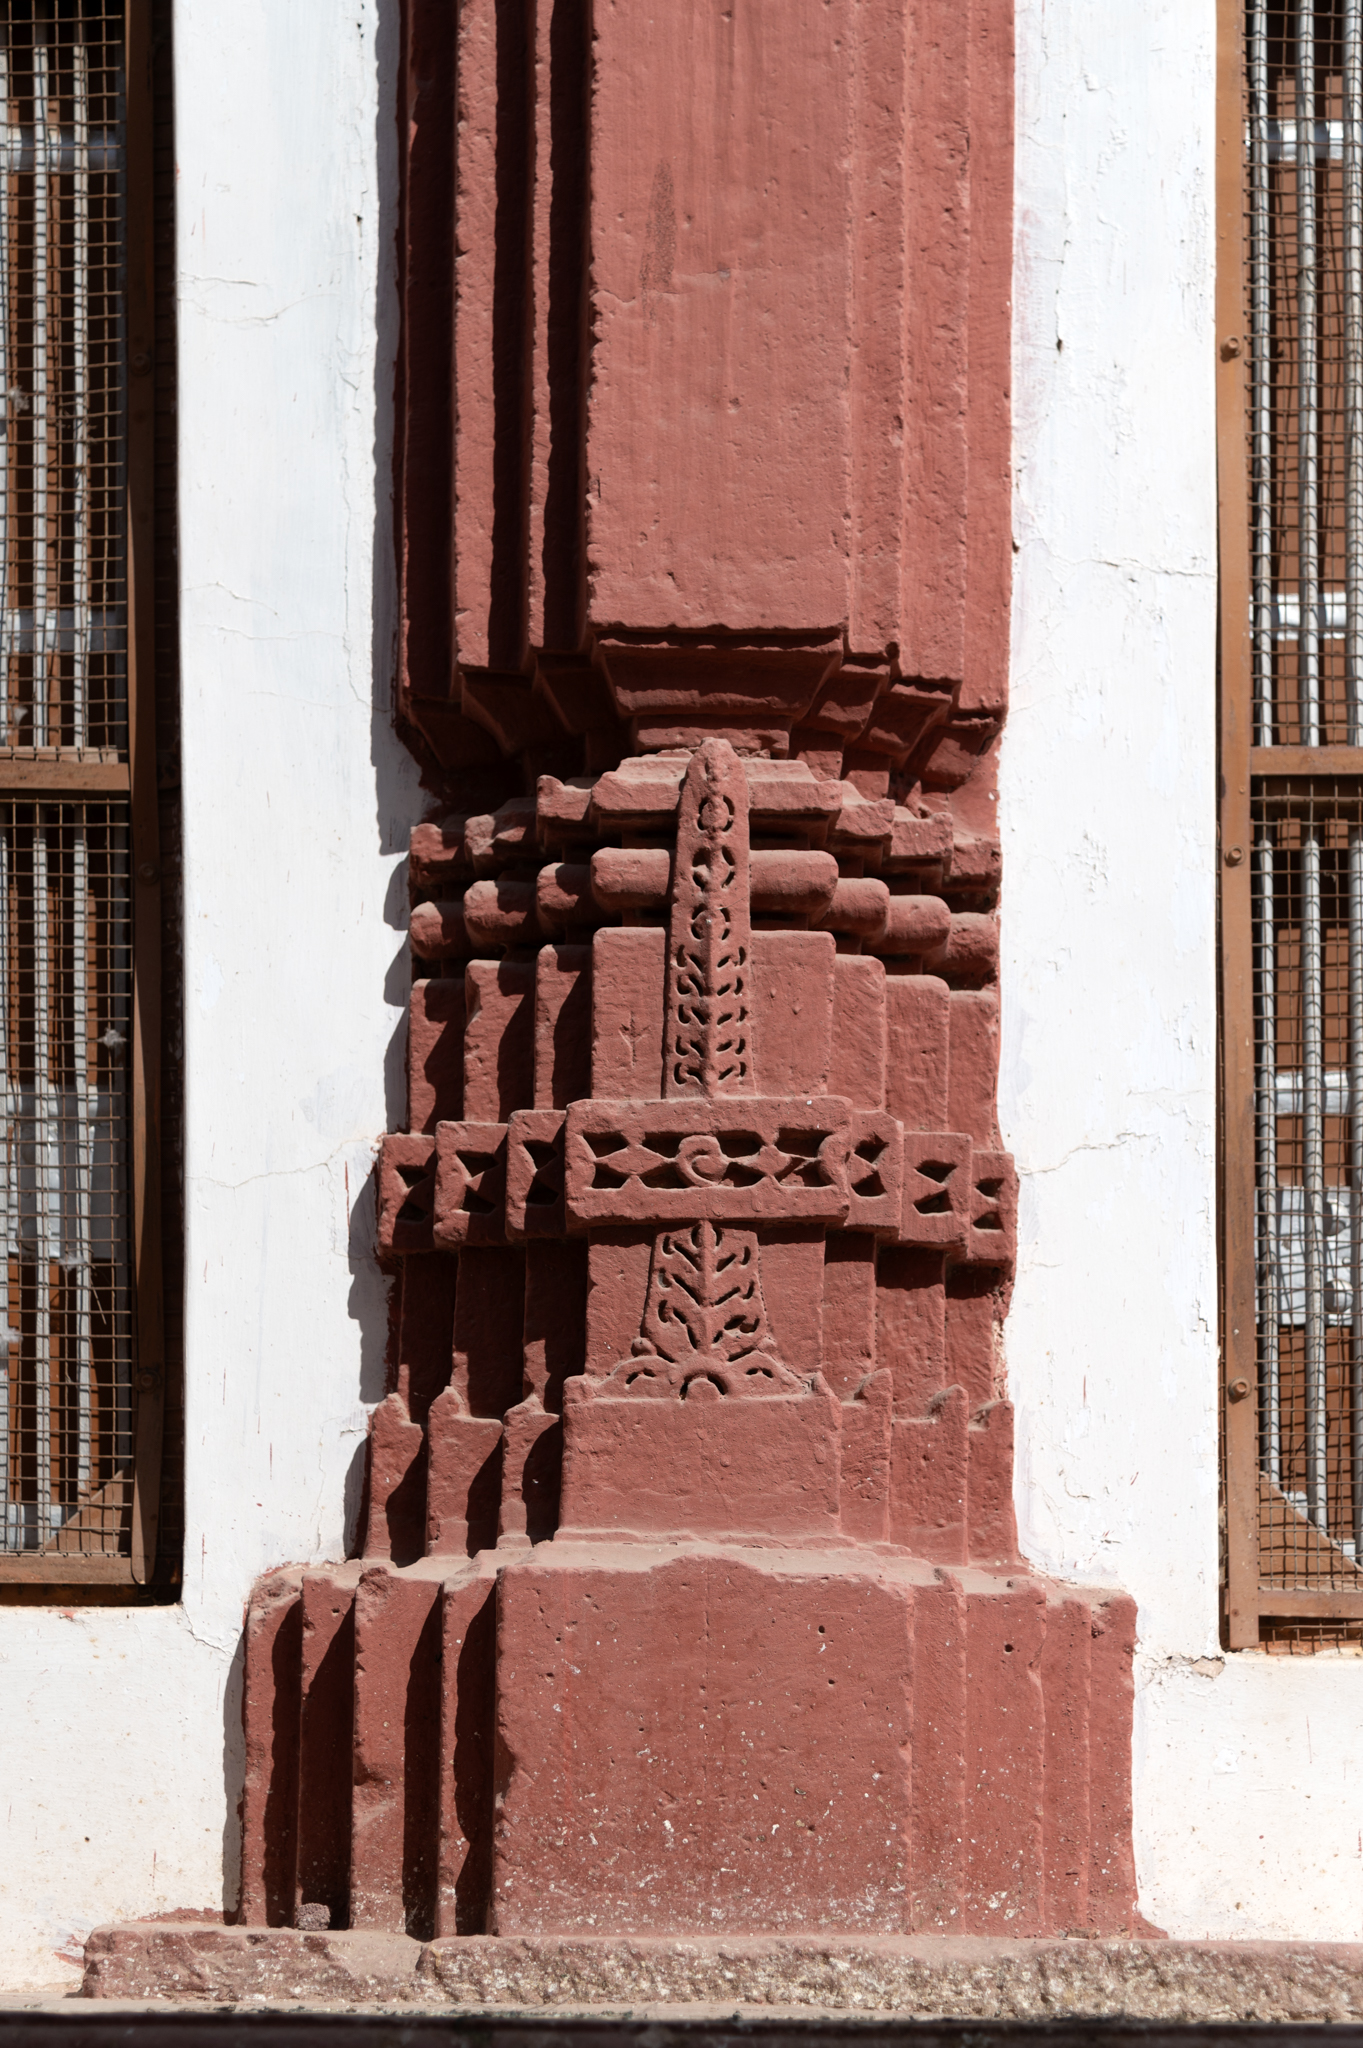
(913, 1977)
(700, 1740)
(227, 1964)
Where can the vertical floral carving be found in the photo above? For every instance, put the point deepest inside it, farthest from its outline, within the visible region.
(706, 1320)
(709, 1022)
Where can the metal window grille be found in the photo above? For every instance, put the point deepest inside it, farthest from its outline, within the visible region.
(80, 1359)
(65, 1031)
(1304, 145)
(1308, 861)
(1290, 308)
(63, 623)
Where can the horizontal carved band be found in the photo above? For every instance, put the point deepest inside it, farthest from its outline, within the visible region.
(740, 1160)
(958, 1199)
(875, 1172)
(470, 1185)
(734, 1159)
(534, 1174)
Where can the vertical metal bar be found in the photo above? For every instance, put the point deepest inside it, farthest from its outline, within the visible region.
(1270, 1284)
(119, 944)
(146, 859)
(46, 1175)
(6, 611)
(1353, 366)
(1356, 1177)
(1246, 711)
(1261, 371)
(41, 397)
(80, 392)
(9, 1207)
(118, 442)
(1308, 385)
(76, 1251)
(1313, 1170)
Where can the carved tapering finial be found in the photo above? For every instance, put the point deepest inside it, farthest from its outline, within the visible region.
(709, 1047)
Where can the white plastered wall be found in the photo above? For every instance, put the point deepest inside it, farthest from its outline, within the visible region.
(1248, 1778)
(122, 1742)
(121, 1751)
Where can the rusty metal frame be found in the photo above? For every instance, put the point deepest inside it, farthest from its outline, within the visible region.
(137, 779)
(1240, 1417)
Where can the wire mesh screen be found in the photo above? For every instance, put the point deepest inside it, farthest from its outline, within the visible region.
(63, 606)
(1308, 888)
(1304, 136)
(65, 1029)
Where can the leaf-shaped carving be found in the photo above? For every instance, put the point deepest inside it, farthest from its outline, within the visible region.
(705, 1323)
(709, 1036)
(705, 1295)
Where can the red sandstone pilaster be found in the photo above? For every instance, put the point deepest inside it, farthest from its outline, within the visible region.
(691, 1598)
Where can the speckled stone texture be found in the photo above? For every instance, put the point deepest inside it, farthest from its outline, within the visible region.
(923, 1978)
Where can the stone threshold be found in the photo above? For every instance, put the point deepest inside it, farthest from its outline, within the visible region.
(871, 1976)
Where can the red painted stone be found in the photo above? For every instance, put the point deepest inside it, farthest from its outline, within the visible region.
(406, 1195)
(395, 1490)
(1065, 1686)
(325, 1734)
(718, 1719)
(469, 1188)
(270, 1709)
(705, 1465)
(468, 1652)
(938, 1747)
(563, 1025)
(394, 1828)
(435, 1053)
(534, 1174)
(464, 1478)
(423, 1317)
(1002, 1880)
(928, 1480)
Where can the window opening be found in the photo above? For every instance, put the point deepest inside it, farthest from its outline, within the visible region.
(82, 1369)
(1290, 312)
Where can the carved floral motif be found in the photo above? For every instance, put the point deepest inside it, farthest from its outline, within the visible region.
(709, 1025)
(706, 1322)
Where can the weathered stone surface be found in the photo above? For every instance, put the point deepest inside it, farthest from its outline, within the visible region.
(925, 1978)
(920, 1977)
(737, 1735)
(250, 1966)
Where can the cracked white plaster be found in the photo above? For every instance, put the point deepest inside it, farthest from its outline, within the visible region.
(1248, 1795)
(296, 806)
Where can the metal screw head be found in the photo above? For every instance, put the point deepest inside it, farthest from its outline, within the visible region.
(149, 872)
(1234, 856)
(1230, 348)
(141, 363)
(1238, 1389)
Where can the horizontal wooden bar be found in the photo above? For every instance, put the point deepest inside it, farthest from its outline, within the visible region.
(1311, 762)
(1311, 1606)
(68, 1568)
(62, 778)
